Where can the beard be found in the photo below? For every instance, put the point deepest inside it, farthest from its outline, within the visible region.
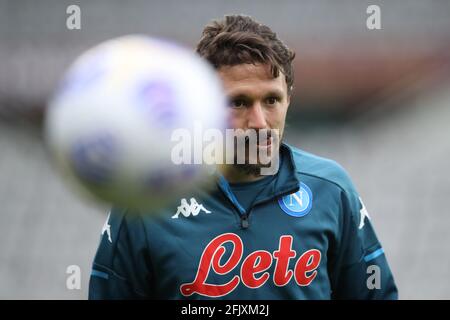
(250, 169)
(255, 164)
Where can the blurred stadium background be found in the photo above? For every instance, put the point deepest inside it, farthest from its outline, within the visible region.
(376, 101)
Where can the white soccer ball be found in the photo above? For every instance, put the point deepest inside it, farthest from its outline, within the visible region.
(109, 124)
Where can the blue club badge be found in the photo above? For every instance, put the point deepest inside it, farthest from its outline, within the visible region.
(297, 204)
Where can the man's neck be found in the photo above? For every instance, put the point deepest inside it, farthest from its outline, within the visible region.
(236, 175)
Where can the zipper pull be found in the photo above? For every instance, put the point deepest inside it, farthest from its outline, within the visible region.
(244, 221)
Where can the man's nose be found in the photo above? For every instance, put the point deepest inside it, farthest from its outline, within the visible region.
(256, 117)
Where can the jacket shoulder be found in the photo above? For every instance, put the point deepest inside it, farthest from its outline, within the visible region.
(327, 170)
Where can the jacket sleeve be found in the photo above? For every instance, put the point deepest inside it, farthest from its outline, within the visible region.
(121, 267)
(361, 270)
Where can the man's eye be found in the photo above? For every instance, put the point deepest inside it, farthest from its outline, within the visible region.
(238, 103)
(272, 100)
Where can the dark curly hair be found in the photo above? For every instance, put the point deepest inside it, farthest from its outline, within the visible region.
(238, 39)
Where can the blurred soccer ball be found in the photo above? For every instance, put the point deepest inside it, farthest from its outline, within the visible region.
(109, 124)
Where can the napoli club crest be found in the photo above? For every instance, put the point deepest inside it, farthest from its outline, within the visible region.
(297, 204)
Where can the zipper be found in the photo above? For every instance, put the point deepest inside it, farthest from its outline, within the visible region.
(244, 221)
(224, 187)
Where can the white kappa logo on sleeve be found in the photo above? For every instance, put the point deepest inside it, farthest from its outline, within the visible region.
(364, 214)
(107, 228)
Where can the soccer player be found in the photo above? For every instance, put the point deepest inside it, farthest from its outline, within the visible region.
(301, 233)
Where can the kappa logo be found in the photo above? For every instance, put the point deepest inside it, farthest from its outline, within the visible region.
(297, 204)
(107, 228)
(187, 209)
(363, 214)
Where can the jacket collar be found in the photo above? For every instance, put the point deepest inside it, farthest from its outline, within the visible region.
(286, 181)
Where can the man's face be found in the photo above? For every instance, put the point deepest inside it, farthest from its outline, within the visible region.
(256, 100)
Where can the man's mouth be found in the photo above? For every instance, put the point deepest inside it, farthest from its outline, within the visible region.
(264, 140)
(264, 143)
